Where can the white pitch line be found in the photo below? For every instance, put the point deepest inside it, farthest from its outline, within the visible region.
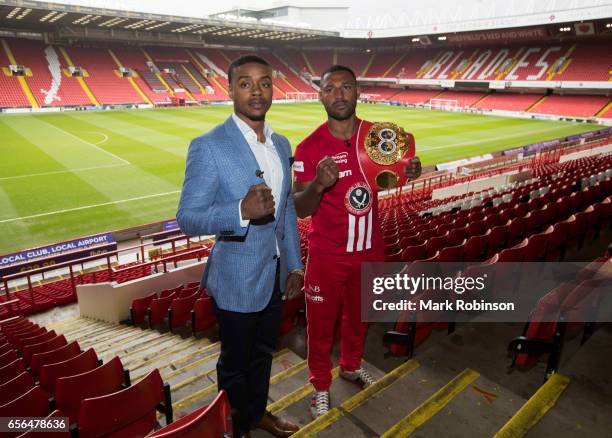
(55, 172)
(484, 140)
(85, 207)
(88, 143)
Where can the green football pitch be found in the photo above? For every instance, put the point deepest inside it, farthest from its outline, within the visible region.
(65, 175)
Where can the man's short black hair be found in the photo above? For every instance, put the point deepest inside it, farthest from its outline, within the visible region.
(338, 67)
(244, 59)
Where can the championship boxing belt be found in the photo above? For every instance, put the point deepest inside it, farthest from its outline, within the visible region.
(384, 150)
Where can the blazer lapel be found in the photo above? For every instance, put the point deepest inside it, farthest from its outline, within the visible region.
(243, 151)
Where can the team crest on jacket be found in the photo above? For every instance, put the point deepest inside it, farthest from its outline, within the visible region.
(358, 199)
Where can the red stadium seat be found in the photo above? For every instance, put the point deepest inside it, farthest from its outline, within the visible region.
(20, 343)
(550, 213)
(34, 403)
(103, 380)
(129, 412)
(412, 253)
(202, 315)
(179, 311)
(51, 344)
(556, 242)
(158, 309)
(517, 230)
(537, 244)
(476, 228)
(497, 239)
(514, 254)
(88, 360)
(30, 332)
(435, 244)
(213, 420)
(476, 247)
(12, 370)
(535, 220)
(452, 253)
(5, 348)
(16, 387)
(457, 235)
(8, 357)
(138, 311)
(61, 354)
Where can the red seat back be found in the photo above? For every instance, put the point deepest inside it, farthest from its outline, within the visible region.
(537, 244)
(476, 247)
(159, 308)
(71, 390)
(15, 387)
(34, 403)
(51, 344)
(214, 420)
(415, 252)
(58, 355)
(129, 412)
(12, 370)
(7, 358)
(203, 316)
(35, 339)
(36, 434)
(138, 311)
(79, 364)
(180, 310)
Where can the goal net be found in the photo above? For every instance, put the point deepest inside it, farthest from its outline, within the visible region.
(300, 96)
(444, 104)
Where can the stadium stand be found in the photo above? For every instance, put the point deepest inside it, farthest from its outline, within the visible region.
(577, 106)
(104, 79)
(508, 101)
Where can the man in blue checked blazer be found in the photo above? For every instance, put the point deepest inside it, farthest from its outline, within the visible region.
(238, 187)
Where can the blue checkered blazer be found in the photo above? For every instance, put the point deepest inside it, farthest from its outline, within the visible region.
(241, 269)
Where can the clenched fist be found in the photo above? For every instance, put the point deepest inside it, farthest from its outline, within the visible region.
(413, 169)
(327, 173)
(258, 202)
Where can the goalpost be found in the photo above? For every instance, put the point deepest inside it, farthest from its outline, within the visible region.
(301, 96)
(444, 104)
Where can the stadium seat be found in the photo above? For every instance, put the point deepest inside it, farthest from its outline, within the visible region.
(12, 370)
(88, 360)
(20, 343)
(517, 230)
(416, 252)
(435, 244)
(202, 315)
(129, 412)
(158, 309)
(103, 380)
(8, 357)
(515, 253)
(16, 387)
(213, 420)
(138, 310)
(33, 403)
(43, 347)
(476, 247)
(452, 253)
(537, 244)
(60, 354)
(497, 239)
(179, 311)
(457, 235)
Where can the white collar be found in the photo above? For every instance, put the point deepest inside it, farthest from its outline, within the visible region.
(246, 130)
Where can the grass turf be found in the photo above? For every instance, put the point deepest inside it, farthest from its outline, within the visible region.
(64, 175)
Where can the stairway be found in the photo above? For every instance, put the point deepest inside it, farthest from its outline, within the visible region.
(426, 397)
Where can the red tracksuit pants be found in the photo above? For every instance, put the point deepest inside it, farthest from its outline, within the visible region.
(333, 290)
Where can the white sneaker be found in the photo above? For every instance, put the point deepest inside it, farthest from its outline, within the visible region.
(319, 404)
(359, 377)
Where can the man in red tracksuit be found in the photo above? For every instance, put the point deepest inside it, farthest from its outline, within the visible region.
(330, 186)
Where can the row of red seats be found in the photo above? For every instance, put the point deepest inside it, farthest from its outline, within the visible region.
(560, 314)
(574, 217)
(98, 399)
(47, 376)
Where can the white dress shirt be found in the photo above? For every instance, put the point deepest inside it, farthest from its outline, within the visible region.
(267, 160)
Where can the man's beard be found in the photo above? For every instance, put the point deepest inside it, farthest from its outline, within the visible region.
(341, 116)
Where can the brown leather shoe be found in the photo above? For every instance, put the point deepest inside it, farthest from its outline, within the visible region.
(277, 426)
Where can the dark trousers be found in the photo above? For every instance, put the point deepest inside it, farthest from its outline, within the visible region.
(243, 370)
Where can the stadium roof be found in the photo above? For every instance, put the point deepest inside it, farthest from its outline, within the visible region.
(46, 16)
